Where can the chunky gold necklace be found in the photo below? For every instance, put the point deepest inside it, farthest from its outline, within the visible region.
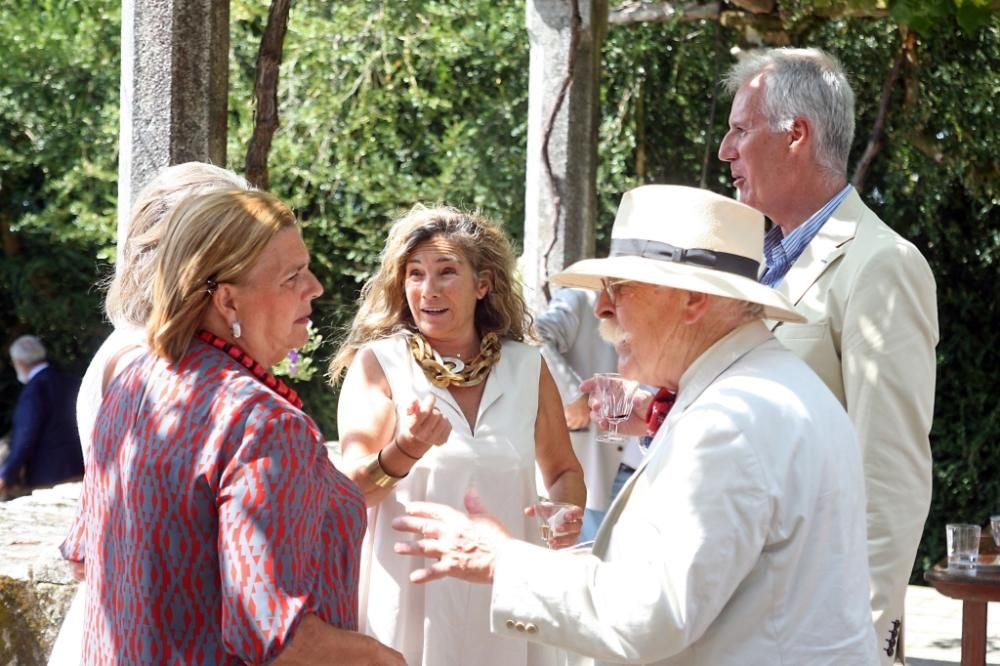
(451, 371)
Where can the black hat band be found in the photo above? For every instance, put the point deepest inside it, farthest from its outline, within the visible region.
(720, 261)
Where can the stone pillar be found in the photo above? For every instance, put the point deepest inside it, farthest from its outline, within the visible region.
(174, 89)
(560, 199)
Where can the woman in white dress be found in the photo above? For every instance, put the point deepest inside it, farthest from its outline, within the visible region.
(441, 395)
(127, 305)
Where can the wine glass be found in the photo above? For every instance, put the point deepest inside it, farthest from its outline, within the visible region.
(614, 395)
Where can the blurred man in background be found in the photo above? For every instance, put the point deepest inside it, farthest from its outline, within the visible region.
(44, 443)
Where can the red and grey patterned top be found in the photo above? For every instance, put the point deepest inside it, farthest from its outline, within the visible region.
(211, 518)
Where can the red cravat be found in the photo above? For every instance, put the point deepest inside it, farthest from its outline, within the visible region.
(658, 409)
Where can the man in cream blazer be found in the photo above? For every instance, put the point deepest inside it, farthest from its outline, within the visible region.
(739, 540)
(867, 294)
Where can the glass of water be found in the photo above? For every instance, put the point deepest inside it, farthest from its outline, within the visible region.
(557, 519)
(995, 528)
(963, 545)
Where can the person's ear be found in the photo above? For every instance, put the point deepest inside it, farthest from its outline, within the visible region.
(224, 301)
(484, 284)
(800, 134)
(694, 307)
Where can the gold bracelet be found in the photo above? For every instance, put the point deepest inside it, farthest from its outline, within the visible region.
(404, 451)
(377, 474)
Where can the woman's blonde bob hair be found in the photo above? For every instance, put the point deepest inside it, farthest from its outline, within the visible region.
(382, 307)
(209, 238)
(130, 291)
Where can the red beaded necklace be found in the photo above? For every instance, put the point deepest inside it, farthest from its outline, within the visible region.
(255, 368)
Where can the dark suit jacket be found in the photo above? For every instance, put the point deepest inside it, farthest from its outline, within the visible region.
(45, 440)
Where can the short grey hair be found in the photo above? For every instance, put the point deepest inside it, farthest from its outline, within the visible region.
(807, 83)
(752, 311)
(27, 350)
(736, 310)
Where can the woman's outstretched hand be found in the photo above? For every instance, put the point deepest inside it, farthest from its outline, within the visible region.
(423, 426)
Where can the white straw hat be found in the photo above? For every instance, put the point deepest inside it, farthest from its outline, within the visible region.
(686, 238)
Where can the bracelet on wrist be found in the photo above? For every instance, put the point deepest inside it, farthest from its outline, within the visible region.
(404, 451)
(377, 474)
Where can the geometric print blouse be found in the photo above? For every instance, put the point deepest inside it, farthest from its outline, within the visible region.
(211, 520)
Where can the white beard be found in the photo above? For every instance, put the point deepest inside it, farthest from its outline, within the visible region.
(610, 331)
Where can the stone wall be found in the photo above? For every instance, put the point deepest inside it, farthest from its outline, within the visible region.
(35, 584)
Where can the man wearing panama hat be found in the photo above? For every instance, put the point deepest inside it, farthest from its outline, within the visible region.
(740, 539)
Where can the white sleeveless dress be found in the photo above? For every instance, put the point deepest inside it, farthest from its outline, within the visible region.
(447, 622)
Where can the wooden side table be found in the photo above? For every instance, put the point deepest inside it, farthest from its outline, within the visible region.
(975, 588)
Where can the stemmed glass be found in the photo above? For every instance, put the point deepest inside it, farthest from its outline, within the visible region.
(614, 394)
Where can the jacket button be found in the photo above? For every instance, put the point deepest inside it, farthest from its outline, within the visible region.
(531, 628)
(620, 449)
(519, 626)
(510, 624)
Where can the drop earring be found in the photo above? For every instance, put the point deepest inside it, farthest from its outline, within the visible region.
(236, 329)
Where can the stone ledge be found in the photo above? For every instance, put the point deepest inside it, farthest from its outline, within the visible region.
(36, 586)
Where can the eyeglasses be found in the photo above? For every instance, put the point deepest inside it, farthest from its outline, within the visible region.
(613, 288)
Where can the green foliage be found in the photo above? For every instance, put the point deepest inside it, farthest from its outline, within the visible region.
(660, 81)
(383, 105)
(929, 16)
(300, 365)
(920, 15)
(58, 128)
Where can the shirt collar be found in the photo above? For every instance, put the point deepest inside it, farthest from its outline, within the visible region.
(716, 359)
(35, 370)
(781, 251)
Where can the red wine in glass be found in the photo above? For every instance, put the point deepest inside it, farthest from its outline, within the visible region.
(614, 394)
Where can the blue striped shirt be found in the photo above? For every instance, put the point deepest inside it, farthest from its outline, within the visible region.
(780, 252)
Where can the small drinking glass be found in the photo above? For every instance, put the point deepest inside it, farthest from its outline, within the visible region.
(995, 528)
(963, 545)
(614, 394)
(553, 517)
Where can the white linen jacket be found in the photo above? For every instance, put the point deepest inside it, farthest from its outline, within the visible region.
(871, 304)
(739, 541)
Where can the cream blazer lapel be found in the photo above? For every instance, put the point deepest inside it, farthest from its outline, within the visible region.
(822, 252)
(705, 370)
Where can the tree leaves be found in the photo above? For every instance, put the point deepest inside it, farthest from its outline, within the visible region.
(928, 16)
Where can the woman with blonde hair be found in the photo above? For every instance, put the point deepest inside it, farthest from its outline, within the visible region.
(130, 291)
(442, 396)
(215, 528)
(127, 305)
